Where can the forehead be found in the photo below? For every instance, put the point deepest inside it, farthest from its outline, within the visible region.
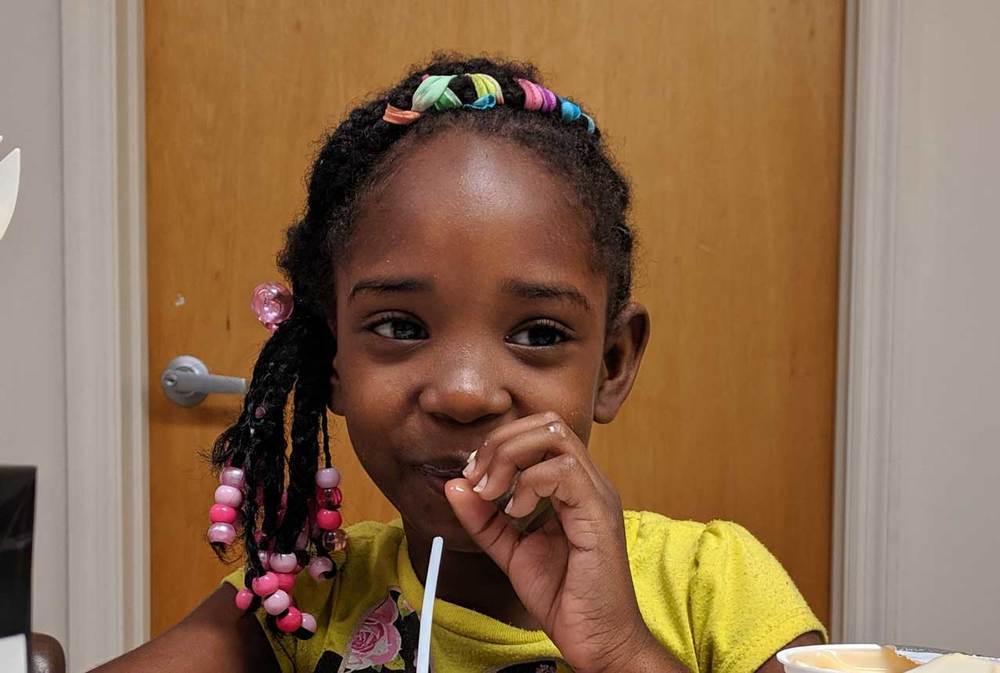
(460, 202)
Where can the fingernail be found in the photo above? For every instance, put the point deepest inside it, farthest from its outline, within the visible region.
(478, 488)
(510, 506)
(472, 457)
(470, 468)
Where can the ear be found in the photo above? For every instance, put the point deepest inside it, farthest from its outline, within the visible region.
(623, 349)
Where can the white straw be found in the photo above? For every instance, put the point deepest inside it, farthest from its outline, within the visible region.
(427, 612)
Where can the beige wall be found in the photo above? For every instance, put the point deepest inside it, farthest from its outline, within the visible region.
(945, 544)
(32, 362)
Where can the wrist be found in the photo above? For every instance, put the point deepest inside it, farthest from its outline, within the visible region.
(640, 652)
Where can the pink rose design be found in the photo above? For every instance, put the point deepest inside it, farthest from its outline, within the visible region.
(272, 302)
(376, 641)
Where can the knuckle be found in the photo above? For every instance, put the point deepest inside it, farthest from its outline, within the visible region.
(559, 429)
(551, 417)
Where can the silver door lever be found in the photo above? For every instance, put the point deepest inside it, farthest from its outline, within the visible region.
(186, 381)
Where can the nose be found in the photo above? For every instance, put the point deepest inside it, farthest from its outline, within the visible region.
(466, 390)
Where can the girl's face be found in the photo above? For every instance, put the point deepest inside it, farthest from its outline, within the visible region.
(467, 300)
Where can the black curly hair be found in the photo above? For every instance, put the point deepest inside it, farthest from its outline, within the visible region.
(355, 158)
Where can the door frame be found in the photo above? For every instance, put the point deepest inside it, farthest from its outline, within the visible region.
(106, 349)
(104, 257)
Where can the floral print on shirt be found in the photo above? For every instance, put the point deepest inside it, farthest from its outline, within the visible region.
(386, 640)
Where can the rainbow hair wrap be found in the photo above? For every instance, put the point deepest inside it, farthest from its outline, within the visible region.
(434, 92)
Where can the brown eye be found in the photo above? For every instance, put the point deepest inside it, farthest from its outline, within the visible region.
(539, 335)
(399, 329)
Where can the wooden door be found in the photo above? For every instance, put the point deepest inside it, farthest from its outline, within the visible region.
(727, 116)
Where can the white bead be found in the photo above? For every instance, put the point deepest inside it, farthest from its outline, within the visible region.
(227, 495)
(318, 566)
(277, 602)
(283, 563)
(328, 477)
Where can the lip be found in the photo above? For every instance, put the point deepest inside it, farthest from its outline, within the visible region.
(444, 472)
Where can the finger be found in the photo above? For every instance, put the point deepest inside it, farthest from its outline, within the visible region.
(525, 450)
(481, 520)
(482, 454)
(560, 479)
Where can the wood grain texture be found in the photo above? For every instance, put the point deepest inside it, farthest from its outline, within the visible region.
(727, 117)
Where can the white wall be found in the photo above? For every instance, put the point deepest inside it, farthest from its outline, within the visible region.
(945, 537)
(32, 361)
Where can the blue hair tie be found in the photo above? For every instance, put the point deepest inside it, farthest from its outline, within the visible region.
(483, 102)
(570, 112)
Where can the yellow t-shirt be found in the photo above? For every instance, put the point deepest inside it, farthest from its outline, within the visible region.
(711, 594)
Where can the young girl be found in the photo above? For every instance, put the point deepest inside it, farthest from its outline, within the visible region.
(461, 283)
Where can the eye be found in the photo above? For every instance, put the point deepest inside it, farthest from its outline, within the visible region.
(542, 334)
(399, 329)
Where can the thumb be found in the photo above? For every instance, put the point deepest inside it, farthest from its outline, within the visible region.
(483, 522)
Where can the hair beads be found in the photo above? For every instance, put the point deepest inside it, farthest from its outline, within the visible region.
(273, 589)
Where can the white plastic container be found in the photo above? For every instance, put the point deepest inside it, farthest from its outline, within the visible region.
(786, 657)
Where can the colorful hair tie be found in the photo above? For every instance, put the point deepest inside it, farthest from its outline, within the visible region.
(393, 115)
(486, 86)
(570, 112)
(532, 95)
(434, 91)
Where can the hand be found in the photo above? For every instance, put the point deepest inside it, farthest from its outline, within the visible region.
(572, 574)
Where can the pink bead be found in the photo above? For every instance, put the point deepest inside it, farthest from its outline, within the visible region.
(308, 622)
(231, 476)
(290, 621)
(221, 532)
(222, 513)
(227, 495)
(286, 581)
(283, 563)
(329, 497)
(328, 477)
(328, 519)
(277, 602)
(319, 566)
(266, 584)
(264, 559)
(244, 599)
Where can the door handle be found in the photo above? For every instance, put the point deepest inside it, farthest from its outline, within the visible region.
(186, 381)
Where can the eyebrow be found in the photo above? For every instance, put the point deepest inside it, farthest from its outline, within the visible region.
(390, 286)
(528, 290)
(519, 288)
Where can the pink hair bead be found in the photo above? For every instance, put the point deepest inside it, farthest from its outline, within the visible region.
(290, 621)
(244, 599)
(283, 563)
(228, 495)
(221, 532)
(328, 519)
(319, 566)
(308, 622)
(286, 581)
(277, 602)
(222, 513)
(231, 476)
(329, 497)
(328, 477)
(265, 559)
(266, 584)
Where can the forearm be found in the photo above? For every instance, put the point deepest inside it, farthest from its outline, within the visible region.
(214, 637)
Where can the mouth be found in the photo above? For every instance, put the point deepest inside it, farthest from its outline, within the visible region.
(436, 475)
